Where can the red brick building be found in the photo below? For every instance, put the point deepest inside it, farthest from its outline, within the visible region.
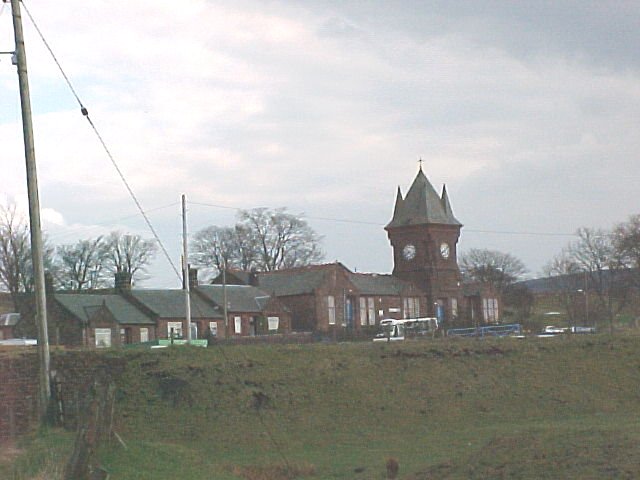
(124, 315)
(426, 280)
(327, 297)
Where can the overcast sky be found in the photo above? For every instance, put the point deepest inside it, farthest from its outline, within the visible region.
(528, 111)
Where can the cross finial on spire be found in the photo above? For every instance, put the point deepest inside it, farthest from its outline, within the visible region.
(420, 163)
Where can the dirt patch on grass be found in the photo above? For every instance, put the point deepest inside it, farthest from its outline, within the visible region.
(489, 350)
(8, 453)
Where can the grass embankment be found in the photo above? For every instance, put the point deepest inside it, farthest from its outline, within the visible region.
(540, 408)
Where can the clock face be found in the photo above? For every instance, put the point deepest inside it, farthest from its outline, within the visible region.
(445, 250)
(409, 252)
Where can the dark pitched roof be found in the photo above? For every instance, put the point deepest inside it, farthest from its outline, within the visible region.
(234, 277)
(422, 205)
(6, 303)
(240, 298)
(9, 319)
(376, 284)
(84, 305)
(292, 282)
(171, 304)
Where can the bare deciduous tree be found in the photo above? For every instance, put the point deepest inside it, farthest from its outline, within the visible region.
(607, 274)
(16, 266)
(15, 252)
(125, 253)
(262, 239)
(594, 265)
(489, 266)
(214, 247)
(626, 241)
(564, 273)
(282, 240)
(81, 265)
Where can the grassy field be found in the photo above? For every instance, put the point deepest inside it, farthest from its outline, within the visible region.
(563, 407)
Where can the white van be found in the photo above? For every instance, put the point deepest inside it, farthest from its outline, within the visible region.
(394, 330)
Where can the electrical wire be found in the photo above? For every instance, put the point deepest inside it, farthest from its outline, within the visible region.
(377, 224)
(67, 233)
(328, 219)
(85, 113)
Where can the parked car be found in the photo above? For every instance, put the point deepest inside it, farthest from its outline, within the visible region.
(552, 329)
(578, 329)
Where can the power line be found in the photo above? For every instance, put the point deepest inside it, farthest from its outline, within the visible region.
(136, 201)
(143, 213)
(85, 113)
(537, 234)
(109, 222)
(377, 224)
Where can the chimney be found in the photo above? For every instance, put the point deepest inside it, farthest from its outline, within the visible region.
(193, 277)
(48, 283)
(253, 277)
(122, 282)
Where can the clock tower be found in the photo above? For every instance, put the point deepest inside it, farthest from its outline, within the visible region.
(424, 236)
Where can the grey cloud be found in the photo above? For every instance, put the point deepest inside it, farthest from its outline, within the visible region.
(601, 33)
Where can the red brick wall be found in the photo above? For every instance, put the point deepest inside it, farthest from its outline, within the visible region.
(18, 394)
(74, 373)
(203, 323)
(303, 311)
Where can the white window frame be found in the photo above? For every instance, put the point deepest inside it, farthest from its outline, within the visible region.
(363, 311)
(273, 323)
(144, 334)
(213, 329)
(490, 309)
(454, 307)
(411, 307)
(103, 337)
(237, 325)
(371, 310)
(331, 309)
(177, 329)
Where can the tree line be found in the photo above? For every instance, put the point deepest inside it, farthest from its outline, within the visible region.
(272, 239)
(87, 264)
(608, 262)
(262, 239)
(601, 264)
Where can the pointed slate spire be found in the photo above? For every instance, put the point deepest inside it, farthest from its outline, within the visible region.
(423, 205)
(397, 208)
(444, 198)
(399, 200)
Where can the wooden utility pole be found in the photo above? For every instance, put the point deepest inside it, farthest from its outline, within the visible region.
(34, 214)
(185, 267)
